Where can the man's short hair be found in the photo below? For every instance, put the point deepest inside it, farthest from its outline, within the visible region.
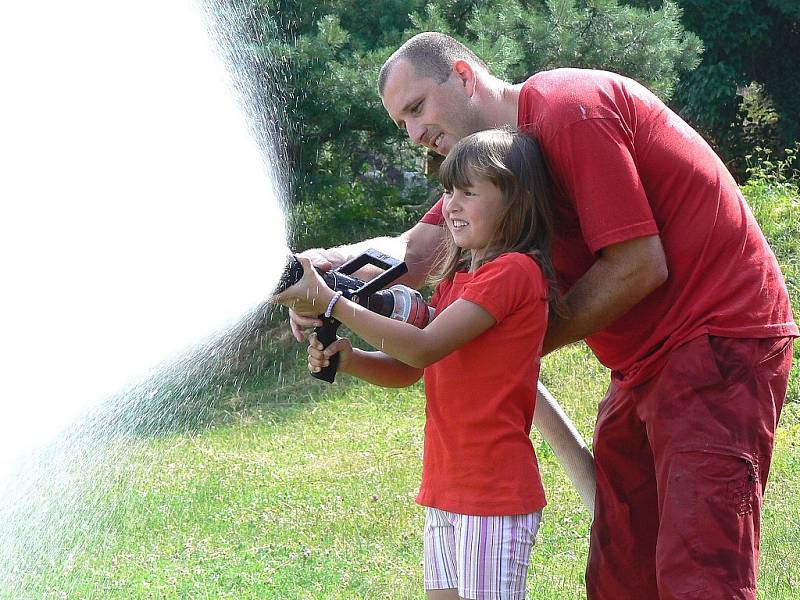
(432, 55)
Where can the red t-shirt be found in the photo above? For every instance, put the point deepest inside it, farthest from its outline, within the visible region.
(478, 457)
(626, 166)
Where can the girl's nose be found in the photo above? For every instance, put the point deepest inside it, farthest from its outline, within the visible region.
(451, 203)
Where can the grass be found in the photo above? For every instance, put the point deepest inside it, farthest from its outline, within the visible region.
(305, 491)
(774, 195)
(315, 500)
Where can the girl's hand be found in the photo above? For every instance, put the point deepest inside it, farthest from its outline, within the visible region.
(309, 296)
(319, 357)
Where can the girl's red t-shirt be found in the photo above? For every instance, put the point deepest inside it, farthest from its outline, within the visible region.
(478, 456)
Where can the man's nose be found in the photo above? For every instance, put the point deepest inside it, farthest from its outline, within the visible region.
(416, 131)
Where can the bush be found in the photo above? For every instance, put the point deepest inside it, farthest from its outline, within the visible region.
(774, 196)
(321, 61)
(357, 211)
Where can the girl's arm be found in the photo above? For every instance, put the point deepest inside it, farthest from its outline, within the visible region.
(417, 247)
(373, 367)
(459, 323)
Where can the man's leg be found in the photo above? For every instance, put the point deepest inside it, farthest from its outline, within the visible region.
(623, 539)
(711, 416)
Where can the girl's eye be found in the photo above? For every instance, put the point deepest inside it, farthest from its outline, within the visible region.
(417, 109)
(469, 193)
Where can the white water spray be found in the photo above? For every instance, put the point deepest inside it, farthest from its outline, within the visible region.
(138, 218)
(137, 214)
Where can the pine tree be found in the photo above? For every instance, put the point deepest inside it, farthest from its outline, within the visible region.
(324, 58)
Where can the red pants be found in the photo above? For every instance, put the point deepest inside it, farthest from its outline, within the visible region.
(681, 464)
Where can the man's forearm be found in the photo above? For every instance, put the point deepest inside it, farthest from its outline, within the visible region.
(591, 306)
(338, 255)
(417, 247)
(620, 278)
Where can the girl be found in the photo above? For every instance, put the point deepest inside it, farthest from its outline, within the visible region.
(480, 357)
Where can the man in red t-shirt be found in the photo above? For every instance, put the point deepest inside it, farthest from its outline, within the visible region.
(669, 280)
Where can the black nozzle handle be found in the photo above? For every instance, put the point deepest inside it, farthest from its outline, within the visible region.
(326, 334)
(393, 269)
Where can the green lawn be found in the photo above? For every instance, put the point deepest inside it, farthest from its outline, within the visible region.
(306, 491)
(315, 500)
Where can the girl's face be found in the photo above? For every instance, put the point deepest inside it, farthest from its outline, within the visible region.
(472, 215)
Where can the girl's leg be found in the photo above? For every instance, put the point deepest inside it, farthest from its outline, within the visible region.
(439, 556)
(493, 554)
(451, 594)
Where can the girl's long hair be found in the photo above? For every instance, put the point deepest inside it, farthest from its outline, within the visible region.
(513, 162)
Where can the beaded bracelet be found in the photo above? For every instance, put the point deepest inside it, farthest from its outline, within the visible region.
(334, 300)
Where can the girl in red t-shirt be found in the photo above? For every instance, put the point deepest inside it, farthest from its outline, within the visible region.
(480, 357)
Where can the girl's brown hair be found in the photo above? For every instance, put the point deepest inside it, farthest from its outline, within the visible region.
(513, 162)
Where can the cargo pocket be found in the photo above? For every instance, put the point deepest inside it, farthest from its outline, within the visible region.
(710, 522)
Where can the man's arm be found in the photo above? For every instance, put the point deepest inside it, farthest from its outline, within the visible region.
(423, 244)
(333, 258)
(621, 277)
(417, 247)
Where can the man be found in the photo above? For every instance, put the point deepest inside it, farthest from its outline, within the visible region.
(670, 282)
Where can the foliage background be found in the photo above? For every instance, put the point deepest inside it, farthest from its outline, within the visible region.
(746, 91)
(729, 68)
(321, 59)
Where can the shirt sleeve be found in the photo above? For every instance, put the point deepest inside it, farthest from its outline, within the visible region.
(437, 294)
(594, 160)
(504, 284)
(434, 216)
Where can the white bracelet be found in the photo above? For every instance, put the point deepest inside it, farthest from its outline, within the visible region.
(331, 304)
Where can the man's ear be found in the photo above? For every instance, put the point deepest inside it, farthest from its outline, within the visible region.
(466, 74)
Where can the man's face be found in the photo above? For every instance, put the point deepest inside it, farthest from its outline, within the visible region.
(435, 115)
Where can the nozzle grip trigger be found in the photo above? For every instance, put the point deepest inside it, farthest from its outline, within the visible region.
(326, 334)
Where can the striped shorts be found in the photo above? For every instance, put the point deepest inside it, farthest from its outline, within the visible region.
(485, 558)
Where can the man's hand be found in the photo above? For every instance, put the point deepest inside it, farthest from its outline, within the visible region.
(322, 259)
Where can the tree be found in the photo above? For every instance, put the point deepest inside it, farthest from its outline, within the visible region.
(519, 37)
(746, 91)
(323, 59)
